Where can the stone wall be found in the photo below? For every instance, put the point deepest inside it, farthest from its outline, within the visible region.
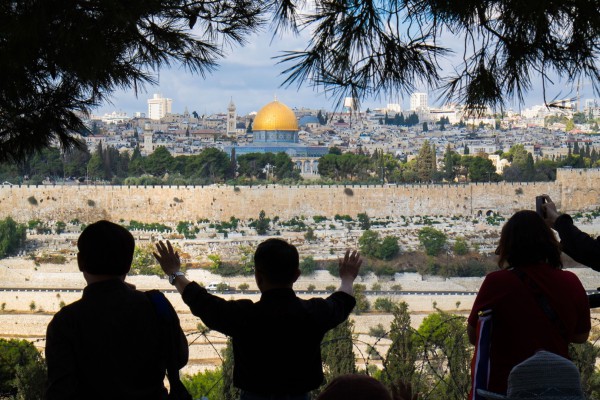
(573, 190)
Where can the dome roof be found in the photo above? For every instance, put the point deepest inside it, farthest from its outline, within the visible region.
(275, 116)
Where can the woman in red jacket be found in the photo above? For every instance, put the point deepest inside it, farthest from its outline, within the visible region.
(535, 305)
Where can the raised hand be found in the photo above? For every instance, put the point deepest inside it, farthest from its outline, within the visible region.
(550, 211)
(167, 257)
(349, 265)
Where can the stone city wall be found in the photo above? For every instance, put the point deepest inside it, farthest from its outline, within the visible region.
(573, 190)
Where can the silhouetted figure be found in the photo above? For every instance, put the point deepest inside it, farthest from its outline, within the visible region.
(580, 246)
(108, 344)
(543, 376)
(355, 387)
(276, 341)
(535, 304)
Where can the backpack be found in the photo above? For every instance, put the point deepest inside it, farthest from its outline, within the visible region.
(174, 344)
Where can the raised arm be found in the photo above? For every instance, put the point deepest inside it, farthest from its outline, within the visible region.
(349, 267)
(580, 246)
(170, 263)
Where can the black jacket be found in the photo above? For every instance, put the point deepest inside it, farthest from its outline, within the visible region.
(106, 346)
(277, 340)
(580, 246)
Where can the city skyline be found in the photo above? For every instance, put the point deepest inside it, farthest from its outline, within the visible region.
(251, 78)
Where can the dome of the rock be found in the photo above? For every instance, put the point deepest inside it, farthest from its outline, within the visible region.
(275, 116)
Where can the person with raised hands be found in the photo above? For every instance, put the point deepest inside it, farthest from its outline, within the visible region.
(276, 340)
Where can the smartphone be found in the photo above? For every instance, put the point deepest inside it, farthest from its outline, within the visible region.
(539, 200)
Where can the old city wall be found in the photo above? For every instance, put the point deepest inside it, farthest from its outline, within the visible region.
(573, 190)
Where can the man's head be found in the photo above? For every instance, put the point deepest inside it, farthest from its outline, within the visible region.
(105, 249)
(277, 262)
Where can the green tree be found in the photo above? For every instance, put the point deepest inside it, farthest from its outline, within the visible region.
(451, 161)
(229, 392)
(460, 247)
(369, 243)
(362, 303)
(262, 223)
(12, 237)
(211, 165)
(425, 163)
(310, 236)
(388, 248)
(159, 162)
(17, 358)
(144, 262)
(364, 221)
(337, 351)
(384, 304)
(432, 240)
(208, 383)
(443, 336)
(399, 362)
(30, 380)
(95, 166)
(308, 265)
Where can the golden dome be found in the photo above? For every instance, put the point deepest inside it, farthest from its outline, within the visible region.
(275, 116)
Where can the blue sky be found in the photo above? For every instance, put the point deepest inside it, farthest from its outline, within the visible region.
(250, 77)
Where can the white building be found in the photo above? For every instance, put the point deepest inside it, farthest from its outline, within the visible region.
(418, 102)
(394, 107)
(158, 107)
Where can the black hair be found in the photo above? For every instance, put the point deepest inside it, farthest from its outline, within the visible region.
(106, 249)
(278, 260)
(526, 239)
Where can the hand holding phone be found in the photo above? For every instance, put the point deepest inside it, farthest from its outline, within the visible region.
(539, 201)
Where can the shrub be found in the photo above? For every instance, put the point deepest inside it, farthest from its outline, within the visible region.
(319, 218)
(309, 236)
(32, 200)
(311, 288)
(308, 266)
(331, 288)
(243, 286)
(32, 306)
(460, 247)
(384, 304)
(373, 353)
(397, 287)
(362, 303)
(376, 287)
(388, 248)
(377, 331)
(12, 236)
(432, 240)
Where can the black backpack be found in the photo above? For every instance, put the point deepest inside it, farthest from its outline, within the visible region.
(175, 347)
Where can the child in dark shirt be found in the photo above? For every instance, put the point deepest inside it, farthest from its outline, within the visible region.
(276, 341)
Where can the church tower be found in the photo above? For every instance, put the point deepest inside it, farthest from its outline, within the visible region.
(231, 119)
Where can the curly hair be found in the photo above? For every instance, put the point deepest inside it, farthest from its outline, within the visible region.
(525, 240)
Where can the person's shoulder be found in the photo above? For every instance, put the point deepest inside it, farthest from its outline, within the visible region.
(68, 312)
(567, 275)
(500, 274)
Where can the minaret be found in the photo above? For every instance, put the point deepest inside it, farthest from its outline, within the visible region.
(231, 118)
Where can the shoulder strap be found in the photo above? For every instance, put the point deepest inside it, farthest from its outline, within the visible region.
(543, 302)
(171, 342)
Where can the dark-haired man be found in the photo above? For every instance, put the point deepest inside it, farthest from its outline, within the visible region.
(276, 341)
(107, 345)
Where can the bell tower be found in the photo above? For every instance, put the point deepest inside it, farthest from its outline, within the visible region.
(231, 118)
